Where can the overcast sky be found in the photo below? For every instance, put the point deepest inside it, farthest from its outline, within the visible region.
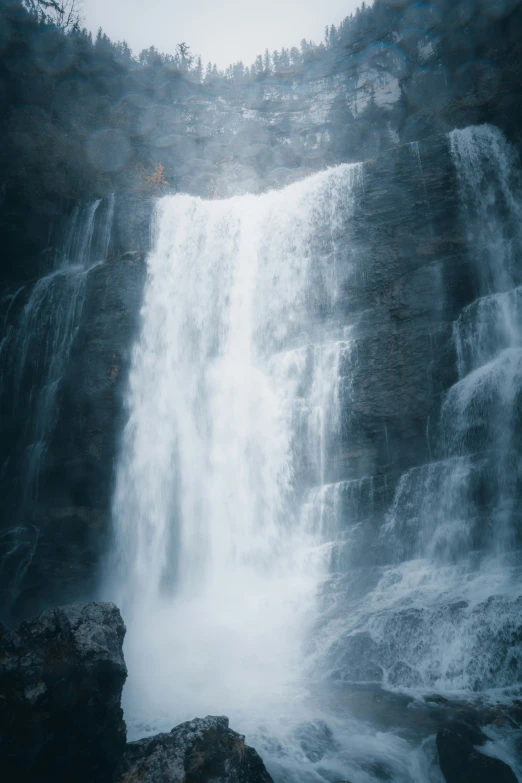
(222, 31)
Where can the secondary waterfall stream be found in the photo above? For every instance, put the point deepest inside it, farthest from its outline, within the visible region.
(40, 322)
(237, 555)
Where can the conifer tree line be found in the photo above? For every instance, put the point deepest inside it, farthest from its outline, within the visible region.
(67, 15)
(381, 22)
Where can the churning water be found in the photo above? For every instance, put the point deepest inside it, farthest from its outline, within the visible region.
(238, 560)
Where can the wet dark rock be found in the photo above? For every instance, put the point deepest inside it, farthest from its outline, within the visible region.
(422, 718)
(435, 698)
(460, 762)
(61, 677)
(198, 751)
(402, 674)
(354, 660)
(467, 726)
(378, 770)
(316, 740)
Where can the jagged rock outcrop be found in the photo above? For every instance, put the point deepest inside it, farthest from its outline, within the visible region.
(460, 762)
(61, 677)
(198, 751)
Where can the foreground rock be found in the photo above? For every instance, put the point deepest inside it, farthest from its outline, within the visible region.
(195, 752)
(61, 677)
(460, 762)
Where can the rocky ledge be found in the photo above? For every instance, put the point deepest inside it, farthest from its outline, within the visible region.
(61, 679)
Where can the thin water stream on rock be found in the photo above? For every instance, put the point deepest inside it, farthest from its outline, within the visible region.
(34, 354)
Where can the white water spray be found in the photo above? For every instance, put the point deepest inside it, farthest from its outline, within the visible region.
(233, 411)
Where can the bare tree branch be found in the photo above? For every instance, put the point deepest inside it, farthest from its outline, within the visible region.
(65, 14)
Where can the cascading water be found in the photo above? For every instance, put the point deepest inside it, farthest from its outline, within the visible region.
(33, 357)
(483, 411)
(452, 526)
(234, 409)
(240, 555)
(444, 617)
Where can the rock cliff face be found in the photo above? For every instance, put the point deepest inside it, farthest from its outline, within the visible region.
(66, 347)
(410, 278)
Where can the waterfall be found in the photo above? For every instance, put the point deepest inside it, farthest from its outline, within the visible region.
(33, 358)
(257, 578)
(234, 413)
(489, 177)
(482, 412)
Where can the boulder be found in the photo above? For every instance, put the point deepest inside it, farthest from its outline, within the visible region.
(61, 678)
(460, 762)
(198, 751)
